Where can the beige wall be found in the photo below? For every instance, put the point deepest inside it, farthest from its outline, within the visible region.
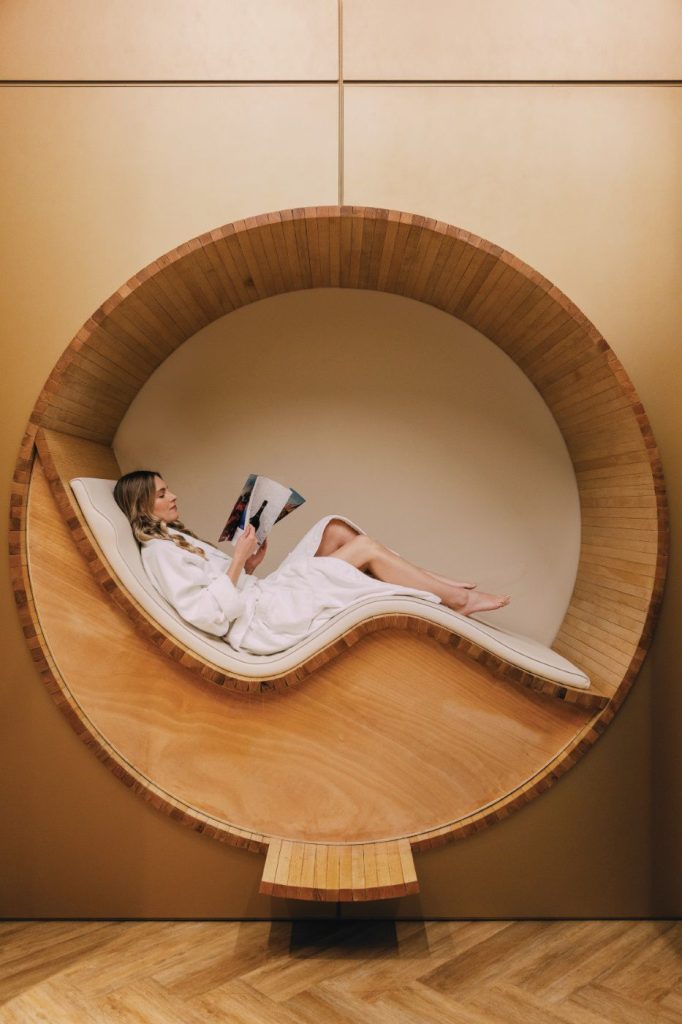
(272, 40)
(526, 40)
(383, 409)
(579, 180)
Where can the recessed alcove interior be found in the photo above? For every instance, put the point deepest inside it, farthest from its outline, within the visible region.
(387, 367)
(381, 408)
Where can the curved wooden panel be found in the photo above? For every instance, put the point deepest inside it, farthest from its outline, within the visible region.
(610, 619)
(338, 760)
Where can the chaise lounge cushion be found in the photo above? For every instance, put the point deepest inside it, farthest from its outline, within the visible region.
(114, 537)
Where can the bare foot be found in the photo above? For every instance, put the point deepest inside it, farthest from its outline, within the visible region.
(468, 602)
(484, 603)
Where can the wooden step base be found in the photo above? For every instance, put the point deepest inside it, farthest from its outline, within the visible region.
(342, 873)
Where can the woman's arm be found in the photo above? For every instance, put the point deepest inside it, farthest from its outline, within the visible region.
(255, 560)
(184, 580)
(246, 554)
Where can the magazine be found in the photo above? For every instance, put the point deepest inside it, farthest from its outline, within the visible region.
(262, 503)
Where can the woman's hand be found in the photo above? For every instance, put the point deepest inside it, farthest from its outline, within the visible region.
(244, 550)
(255, 560)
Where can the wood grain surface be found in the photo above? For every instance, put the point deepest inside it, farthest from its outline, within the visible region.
(611, 616)
(398, 738)
(341, 972)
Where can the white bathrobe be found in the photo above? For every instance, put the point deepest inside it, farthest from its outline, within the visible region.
(262, 616)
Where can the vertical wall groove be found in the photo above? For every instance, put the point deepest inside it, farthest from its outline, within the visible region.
(341, 126)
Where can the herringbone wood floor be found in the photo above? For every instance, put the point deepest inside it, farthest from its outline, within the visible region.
(497, 972)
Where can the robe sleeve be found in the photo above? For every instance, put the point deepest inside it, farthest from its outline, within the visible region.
(207, 602)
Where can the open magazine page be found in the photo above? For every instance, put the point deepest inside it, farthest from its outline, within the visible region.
(262, 502)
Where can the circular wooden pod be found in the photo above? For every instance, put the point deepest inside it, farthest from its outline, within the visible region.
(325, 837)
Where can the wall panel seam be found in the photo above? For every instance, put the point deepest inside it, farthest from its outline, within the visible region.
(341, 106)
(339, 82)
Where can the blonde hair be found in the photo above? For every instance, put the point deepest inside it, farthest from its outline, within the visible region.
(135, 494)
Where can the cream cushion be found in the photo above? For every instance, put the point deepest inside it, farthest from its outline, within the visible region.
(113, 535)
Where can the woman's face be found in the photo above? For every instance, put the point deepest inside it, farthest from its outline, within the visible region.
(165, 502)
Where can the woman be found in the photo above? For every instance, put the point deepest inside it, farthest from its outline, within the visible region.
(334, 566)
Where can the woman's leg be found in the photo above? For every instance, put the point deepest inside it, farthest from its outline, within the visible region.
(367, 554)
(337, 533)
(446, 579)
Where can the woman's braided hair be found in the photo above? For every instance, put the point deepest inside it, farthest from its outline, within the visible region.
(135, 494)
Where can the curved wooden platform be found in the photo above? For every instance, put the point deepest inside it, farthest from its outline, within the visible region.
(336, 762)
(60, 454)
(606, 630)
